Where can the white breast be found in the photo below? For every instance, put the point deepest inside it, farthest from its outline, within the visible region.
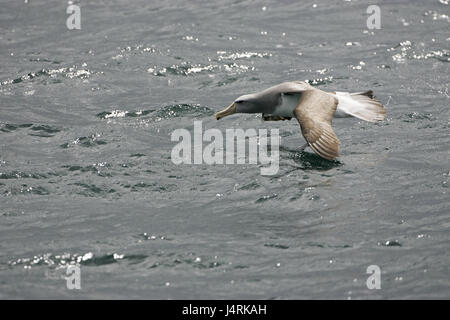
(288, 103)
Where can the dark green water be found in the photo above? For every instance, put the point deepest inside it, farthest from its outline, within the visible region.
(85, 170)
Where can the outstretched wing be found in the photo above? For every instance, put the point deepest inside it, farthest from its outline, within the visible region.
(315, 112)
(290, 87)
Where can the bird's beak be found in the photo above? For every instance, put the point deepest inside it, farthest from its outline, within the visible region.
(226, 112)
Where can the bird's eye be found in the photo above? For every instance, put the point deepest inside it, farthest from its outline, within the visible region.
(239, 101)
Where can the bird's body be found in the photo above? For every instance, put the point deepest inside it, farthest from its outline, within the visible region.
(313, 108)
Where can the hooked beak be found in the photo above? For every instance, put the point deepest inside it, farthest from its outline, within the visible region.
(226, 112)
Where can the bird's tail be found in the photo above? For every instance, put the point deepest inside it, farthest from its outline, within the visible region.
(362, 105)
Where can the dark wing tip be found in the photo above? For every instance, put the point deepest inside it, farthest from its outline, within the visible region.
(327, 143)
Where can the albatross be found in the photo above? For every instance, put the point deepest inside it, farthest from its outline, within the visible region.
(313, 108)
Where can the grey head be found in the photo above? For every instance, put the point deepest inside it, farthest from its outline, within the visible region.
(251, 103)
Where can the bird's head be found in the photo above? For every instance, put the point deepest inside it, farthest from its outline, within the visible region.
(244, 104)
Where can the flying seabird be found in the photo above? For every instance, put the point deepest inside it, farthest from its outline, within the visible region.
(313, 108)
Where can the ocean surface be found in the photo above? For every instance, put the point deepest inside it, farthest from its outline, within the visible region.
(86, 176)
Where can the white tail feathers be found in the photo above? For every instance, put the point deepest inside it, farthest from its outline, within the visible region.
(362, 105)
